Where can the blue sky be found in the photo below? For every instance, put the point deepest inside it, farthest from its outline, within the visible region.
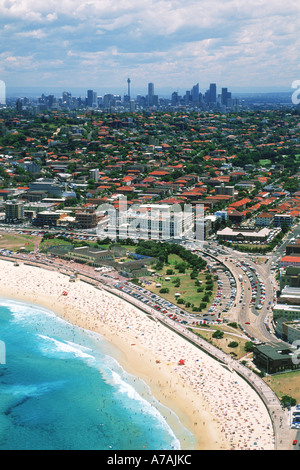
(100, 43)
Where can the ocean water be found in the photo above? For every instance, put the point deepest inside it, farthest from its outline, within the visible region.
(61, 388)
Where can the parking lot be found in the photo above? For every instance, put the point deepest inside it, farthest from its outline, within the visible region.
(224, 299)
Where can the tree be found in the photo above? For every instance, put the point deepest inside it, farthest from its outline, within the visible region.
(218, 334)
(164, 290)
(249, 346)
(233, 344)
(287, 401)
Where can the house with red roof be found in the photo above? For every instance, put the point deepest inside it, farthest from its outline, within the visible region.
(265, 219)
(159, 173)
(289, 260)
(240, 205)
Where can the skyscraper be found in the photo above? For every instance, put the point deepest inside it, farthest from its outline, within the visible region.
(150, 93)
(212, 93)
(224, 96)
(195, 93)
(2, 92)
(128, 82)
(91, 98)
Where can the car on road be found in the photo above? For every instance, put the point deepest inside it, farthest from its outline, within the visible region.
(294, 442)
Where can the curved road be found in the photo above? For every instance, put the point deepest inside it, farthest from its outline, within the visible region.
(282, 431)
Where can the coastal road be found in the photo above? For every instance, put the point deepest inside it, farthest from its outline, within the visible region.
(249, 314)
(279, 418)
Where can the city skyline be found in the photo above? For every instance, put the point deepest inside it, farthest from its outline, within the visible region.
(98, 45)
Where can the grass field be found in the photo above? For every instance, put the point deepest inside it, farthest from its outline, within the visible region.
(187, 288)
(265, 162)
(285, 384)
(222, 343)
(14, 242)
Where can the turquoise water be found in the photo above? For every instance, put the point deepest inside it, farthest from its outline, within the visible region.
(61, 388)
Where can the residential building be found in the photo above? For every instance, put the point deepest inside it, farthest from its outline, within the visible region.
(289, 276)
(289, 312)
(94, 175)
(235, 216)
(289, 295)
(222, 215)
(265, 219)
(288, 331)
(46, 218)
(224, 190)
(289, 261)
(283, 219)
(293, 248)
(48, 186)
(87, 217)
(14, 211)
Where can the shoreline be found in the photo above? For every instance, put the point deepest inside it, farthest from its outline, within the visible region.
(185, 390)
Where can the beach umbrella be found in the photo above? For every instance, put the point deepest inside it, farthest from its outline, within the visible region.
(181, 362)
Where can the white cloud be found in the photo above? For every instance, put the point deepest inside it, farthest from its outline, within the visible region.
(36, 34)
(193, 40)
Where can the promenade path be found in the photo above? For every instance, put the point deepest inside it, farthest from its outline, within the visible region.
(279, 417)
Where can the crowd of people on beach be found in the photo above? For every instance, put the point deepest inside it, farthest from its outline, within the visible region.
(237, 410)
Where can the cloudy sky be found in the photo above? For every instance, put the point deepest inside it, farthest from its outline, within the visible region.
(175, 44)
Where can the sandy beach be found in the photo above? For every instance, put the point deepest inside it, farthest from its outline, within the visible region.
(216, 405)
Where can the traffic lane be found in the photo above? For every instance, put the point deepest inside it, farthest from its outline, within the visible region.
(246, 316)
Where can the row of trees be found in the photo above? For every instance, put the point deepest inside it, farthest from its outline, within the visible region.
(161, 251)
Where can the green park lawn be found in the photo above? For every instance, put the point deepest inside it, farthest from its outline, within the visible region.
(187, 288)
(16, 242)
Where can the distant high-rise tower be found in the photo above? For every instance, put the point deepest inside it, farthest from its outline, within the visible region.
(150, 93)
(195, 93)
(2, 92)
(128, 82)
(224, 96)
(91, 98)
(212, 93)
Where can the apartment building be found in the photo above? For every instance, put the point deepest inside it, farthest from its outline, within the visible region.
(14, 211)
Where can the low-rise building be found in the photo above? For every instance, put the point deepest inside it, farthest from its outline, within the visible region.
(293, 248)
(289, 276)
(265, 219)
(288, 331)
(289, 295)
(47, 186)
(289, 261)
(283, 219)
(87, 217)
(238, 235)
(274, 358)
(46, 218)
(286, 311)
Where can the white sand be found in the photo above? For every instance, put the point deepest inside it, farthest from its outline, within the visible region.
(220, 409)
